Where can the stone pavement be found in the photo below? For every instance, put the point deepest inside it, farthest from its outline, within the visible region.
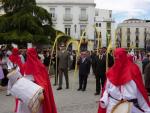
(67, 100)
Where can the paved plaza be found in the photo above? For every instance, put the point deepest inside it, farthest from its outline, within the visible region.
(67, 101)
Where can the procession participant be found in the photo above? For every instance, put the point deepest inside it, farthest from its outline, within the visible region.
(124, 82)
(14, 61)
(34, 70)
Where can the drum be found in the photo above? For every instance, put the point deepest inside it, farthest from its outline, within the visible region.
(13, 76)
(29, 93)
(125, 107)
(122, 107)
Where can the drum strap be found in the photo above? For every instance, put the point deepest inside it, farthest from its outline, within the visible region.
(134, 101)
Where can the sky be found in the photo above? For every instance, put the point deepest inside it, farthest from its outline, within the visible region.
(125, 9)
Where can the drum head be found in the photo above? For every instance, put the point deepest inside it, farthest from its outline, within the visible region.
(122, 107)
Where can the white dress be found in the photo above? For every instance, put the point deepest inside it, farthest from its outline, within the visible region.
(127, 92)
(22, 108)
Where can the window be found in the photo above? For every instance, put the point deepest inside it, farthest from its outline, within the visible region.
(82, 29)
(128, 45)
(83, 11)
(128, 30)
(67, 11)
(96, 13)
(137, 45)
(68, 30)
(108, 25)
(137, 38)
(109, 32)
(52, 12)
(110, 15)
(96, 24)
(99, 24)
(128, 38)
(137, 29)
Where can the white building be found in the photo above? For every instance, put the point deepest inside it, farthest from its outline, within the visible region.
(133, 33)
(74, 16)
(105, 25)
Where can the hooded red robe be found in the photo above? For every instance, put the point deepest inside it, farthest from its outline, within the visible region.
(34, 66)
(126, 71)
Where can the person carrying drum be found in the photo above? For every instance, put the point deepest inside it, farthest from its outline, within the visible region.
(124, 84)
(34, 72)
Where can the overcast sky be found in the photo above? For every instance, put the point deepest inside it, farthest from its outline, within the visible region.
(124, 9)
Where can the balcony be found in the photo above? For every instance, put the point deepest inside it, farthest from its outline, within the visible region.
(108, 20)
(68, 17)
(83, 17)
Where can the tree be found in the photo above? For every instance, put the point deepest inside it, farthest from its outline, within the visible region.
(23, 22)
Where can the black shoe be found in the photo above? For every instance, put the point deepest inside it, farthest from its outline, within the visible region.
(79, 89)
(67, 87)
(96, 93)
(8, 95)
(59, 88)
(83, 89)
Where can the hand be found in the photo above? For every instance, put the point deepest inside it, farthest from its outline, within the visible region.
(102, 104)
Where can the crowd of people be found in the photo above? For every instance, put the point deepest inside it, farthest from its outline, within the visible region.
(122, 75)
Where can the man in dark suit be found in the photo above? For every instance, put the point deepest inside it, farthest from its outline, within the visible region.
(63, 67)
(84, 70)
(100, 70)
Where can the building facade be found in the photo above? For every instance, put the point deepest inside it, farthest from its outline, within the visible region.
(73, 17)
(133, 33)
(105, 25)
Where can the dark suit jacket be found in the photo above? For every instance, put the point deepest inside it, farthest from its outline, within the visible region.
(84, 67)
(101, 64)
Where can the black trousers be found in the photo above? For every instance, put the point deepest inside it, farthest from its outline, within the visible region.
(100, 81)
(83, 81)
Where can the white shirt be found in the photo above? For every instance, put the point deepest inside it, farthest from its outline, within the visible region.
(127, 92)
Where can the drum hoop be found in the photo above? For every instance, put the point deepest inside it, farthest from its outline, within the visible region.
(30, 105)
(33, 97)
(120, 102)
(10, 73)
